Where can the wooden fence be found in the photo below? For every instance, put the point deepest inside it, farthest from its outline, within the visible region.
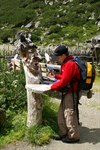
(5, 57)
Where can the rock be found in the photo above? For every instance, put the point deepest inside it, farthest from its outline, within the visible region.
(29, 25)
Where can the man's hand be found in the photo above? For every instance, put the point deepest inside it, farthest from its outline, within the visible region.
(51, 75)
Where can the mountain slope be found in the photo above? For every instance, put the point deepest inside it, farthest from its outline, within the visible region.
(50, 21)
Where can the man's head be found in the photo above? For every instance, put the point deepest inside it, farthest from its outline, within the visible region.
(60, 53)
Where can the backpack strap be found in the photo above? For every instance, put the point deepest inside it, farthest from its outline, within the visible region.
(74, 102)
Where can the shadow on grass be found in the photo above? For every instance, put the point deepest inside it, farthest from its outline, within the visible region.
(6, 127)
(50, 118)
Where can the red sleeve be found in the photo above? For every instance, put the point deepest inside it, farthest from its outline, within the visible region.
(59, 76)
(68, 71)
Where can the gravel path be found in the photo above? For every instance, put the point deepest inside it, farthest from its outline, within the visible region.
(90, 130)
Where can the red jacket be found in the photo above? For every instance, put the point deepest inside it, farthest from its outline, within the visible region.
(69, 72)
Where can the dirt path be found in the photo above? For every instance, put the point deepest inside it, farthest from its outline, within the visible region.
(90, 130)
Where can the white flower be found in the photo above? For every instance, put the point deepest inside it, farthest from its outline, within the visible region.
(14, 83)
(1, 82)
(58, 16)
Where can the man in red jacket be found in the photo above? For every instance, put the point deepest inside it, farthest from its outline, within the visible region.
(67, 114)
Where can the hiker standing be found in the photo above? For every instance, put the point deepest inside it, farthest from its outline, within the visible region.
(67, 82)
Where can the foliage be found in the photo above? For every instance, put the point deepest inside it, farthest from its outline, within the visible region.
(54, 29)
(12, 89)
(6, 33)
(39, 134)
(17, 14)
(14, 128)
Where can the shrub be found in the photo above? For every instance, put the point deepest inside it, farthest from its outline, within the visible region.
(6, 33)
(12, 90)
(54, 29)
(35, 37)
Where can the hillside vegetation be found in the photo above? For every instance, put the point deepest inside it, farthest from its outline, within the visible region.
(50, 21)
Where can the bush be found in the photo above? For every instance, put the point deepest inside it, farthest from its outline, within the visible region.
(54, 29)
(12, 90)
(6, 33)
(72, 32)
(35, 37)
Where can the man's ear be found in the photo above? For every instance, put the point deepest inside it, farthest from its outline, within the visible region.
(65, 55)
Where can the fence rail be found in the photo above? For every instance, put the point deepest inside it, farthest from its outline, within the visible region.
(6, 57)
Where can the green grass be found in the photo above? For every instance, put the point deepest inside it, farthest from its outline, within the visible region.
(39, 135)
(15, 128)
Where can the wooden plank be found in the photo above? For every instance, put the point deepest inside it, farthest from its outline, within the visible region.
(51, 65)
(37, 88)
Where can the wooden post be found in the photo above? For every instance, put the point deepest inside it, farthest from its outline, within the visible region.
(30, 57)
(34, 102)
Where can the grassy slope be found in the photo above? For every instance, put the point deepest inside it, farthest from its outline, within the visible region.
(57, 21)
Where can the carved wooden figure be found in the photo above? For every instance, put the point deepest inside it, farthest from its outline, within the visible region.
(30, 57)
